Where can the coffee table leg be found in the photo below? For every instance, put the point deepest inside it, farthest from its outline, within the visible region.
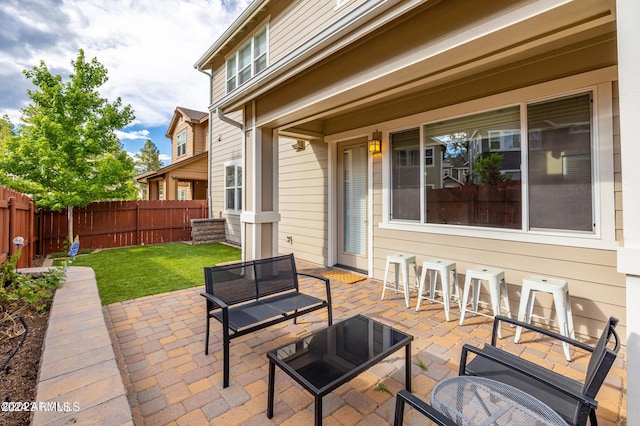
(272, 379)
(407, 379)
(318, 411)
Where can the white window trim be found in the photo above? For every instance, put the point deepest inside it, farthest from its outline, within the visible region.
(599, 82)
(235, 56)
(433, 156)
(183, 144)
(235, 164)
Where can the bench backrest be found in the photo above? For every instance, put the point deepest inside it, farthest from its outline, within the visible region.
(602, 359)
(232, 284)
(276, 274)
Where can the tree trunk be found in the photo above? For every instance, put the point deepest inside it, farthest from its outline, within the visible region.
(70, 224)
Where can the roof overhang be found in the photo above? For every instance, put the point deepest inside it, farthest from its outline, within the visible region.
(161, 173)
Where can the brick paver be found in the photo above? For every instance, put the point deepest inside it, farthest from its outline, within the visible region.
(159, 343)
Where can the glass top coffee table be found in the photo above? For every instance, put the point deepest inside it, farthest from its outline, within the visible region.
(328, 358)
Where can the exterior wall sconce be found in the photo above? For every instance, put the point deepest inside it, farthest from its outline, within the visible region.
(375, 143)
(300, 145)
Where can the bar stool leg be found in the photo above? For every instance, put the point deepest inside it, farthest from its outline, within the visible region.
(405, 281)
(433, 277)
(456, 289)
(444, 278)
(524, 314)
(423, 278)
(465, 297)
(559, 300)
(494, 291)
(384, 283)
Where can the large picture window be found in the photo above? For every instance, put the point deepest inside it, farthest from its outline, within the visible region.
(533, 178)
(249, 60)
(233, 186)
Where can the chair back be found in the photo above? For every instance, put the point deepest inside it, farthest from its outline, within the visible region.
(232, 283)
(276, 274)
(602, 359)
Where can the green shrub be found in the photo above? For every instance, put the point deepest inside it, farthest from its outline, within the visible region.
(20, 291)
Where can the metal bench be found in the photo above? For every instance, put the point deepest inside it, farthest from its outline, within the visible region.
(249, 296)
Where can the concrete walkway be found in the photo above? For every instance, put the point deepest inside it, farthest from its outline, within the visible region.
(79, 381)
(159, 343)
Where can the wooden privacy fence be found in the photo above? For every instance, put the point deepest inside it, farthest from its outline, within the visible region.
(121, 223)
(17, 219)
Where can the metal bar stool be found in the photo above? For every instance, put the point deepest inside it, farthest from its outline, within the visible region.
(445, 268)
(560, 291)
(497, 289)
(401, 262)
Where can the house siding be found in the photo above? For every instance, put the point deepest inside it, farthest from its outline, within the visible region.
(303, 183)
(226, 146)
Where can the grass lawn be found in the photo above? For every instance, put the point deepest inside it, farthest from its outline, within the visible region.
(131, 272)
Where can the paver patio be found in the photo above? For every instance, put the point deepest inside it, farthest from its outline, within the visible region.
(159, 346)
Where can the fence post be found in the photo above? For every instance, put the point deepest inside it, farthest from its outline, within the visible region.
(32, 233)
(12, 224)
(138, 231)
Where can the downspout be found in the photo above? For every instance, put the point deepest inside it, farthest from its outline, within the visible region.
(210, 144)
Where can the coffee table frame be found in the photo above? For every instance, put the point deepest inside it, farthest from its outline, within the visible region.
(318, 393)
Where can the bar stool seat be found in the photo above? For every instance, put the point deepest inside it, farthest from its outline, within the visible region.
(401, 263)
(445, 268)
(497, 289)
(560, 291)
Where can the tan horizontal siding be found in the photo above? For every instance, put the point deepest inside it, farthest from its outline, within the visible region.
(303, 201)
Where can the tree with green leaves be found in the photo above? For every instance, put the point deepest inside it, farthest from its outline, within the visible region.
(66, 153)
(7, 131)
(148, 159)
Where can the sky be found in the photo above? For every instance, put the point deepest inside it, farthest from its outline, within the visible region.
(149, 48)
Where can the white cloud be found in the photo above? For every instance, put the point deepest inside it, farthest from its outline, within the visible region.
(149, 48)
(132, 135)
(164, 157)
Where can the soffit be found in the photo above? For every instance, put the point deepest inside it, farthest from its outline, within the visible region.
(430, 48)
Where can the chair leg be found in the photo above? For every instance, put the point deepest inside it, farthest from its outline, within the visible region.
(399, 415)
(206, 338)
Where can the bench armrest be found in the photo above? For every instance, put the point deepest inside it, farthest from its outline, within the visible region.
(321, 278)
(498, 319)
(479, 352)
(404, 396)
(328, 289)
(215, 300)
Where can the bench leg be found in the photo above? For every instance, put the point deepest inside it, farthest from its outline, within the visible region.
(206, 339)
(225, 349)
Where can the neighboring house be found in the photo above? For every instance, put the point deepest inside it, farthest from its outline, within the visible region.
(299, 88)
(186, 178)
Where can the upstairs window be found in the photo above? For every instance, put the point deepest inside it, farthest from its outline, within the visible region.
(248, 61)
(181, 143)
